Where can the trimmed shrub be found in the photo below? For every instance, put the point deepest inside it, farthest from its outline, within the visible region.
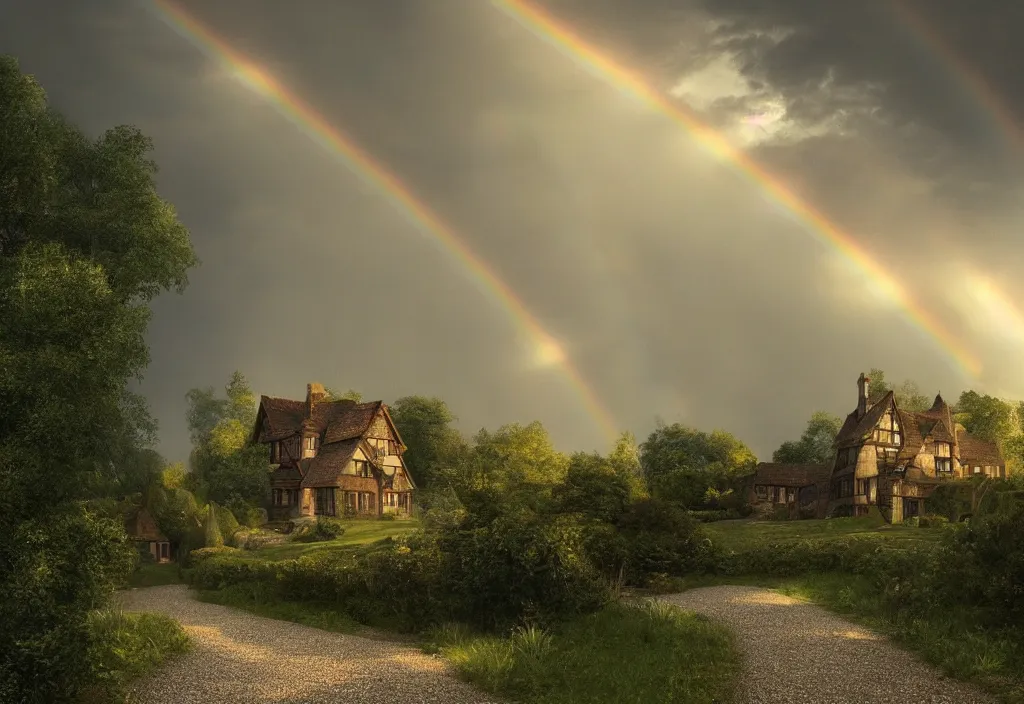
(323, 528)
(213, 538)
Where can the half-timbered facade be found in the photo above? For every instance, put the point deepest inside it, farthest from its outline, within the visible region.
(895, 459)
(333, 458)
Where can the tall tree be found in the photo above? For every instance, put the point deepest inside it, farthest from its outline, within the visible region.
(85, 243)
(877, 386)
(815, 445)
(986, 417)
(909, 397)
(225, 467)
(625, 459)
(433, 444)
(513, 455)
(682, 463)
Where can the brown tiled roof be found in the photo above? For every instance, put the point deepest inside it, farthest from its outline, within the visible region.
(913, 435)
(283, 417)
(141, 526)
(854, 429)
(330, 461)
(791, 475)
(975, 451)
(353, 423)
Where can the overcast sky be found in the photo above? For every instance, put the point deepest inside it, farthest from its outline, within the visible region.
(676, 287)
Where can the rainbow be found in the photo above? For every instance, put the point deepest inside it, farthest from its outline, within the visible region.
(559, 34)
(546, 349)
(970, 80)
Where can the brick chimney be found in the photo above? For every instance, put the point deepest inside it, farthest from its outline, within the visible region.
(314, 394)
(863, 383)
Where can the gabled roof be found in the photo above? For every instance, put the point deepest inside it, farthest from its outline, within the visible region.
(854, 429)
(977, 452)
(791, 475)
(141, 526)
(328, 465)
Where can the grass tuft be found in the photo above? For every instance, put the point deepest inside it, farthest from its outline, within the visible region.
(649, 652)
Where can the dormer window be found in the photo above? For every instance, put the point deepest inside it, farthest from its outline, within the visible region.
(888, 430)
(943, 464)
(312, 443)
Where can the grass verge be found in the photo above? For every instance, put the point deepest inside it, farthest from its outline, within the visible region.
(126, 646)
(357, 532)
(154, 575)
(323, 616)
(624, 653)
(746, 535)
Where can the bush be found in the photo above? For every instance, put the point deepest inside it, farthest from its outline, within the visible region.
(124, 646)
(201, 554)
(227, 523)
(213, 538)
(662, 538)
(55, 571)
(519, 568)
(323, 528)
(592, 488)
(932, 521)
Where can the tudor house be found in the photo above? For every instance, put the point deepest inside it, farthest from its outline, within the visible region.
(803, 488)
(895, 459)
(332, 458)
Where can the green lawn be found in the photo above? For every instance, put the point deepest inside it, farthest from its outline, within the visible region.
(743, 535)
(648, 653)
(357, 532)
(154, 575)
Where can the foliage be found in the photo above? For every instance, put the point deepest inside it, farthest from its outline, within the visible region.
(986, 417)
(211, 528)
(815, 445)
(909, 397)
(511, 456)
(518, 567)
(433, 446)
(323, 528)
(56, 569)
(593, 488)
(625, 458)
(173, 476)
(649, 652)
(877, 386)
(663, 539)
(681, 464)
(226, 467)
(124, 646)
(350, 395)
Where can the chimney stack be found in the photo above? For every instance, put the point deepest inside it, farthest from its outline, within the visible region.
(862, 395)
(314, 394)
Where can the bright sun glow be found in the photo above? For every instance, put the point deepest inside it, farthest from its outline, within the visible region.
(1002, 317)
(549, 354)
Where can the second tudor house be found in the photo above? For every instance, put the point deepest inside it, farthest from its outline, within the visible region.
(885, 457)
(333, 458)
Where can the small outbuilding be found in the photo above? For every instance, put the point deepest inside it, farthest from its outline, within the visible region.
(147, 536)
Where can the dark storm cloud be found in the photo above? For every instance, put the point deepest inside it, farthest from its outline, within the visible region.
(678, 288)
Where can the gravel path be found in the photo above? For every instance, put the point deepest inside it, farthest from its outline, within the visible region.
(798, 652)
(245, 659)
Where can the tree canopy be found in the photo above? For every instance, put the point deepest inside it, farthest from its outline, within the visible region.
(815, 445)
(433, 445)
(85, 243)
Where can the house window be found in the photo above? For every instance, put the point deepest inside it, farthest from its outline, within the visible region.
(277, 497)
(362, 468)
(943, 464)
(324, 501)
(390, 499)
(942, 449)
(977, 470)
(312, 443)
(762, 491)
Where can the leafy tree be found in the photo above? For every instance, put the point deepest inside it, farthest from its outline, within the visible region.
(517, 454)
(682, 463)
(877, 386)
(986, 417)
(173, 476)
(225, 465)
(350, 395)
(909, 397)
(433, 445)
(85, 244)
(625, 458)
(594, 488)
(815, 445)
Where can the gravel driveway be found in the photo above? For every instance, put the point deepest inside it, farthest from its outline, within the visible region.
(797, 652)
(245, 659)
